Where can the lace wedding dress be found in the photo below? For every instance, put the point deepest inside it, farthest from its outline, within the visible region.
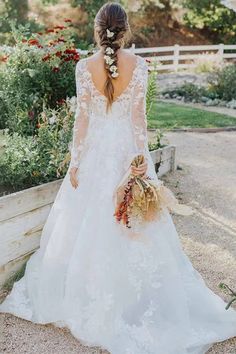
(130, 295)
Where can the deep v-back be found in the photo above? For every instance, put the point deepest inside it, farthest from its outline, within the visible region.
(134, 71)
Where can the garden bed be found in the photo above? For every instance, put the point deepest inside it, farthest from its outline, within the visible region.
(23, 215)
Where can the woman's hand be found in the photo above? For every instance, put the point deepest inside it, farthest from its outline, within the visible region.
(140, 170)
(73, 177)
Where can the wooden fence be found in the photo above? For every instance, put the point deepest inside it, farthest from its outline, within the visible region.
(179, 57)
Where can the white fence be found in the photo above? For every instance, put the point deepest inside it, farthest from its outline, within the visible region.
(179, 57)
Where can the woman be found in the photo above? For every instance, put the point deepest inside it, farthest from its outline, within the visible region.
(133, 295)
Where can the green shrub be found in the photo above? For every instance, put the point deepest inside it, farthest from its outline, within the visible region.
(223, 82)
(39, 71)
(31, 160)
(189, 91)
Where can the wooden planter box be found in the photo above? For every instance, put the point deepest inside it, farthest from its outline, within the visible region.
(23, 214)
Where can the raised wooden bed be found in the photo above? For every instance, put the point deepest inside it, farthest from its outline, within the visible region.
(23, 214)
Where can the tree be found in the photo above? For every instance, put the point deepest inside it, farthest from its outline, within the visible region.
(213, 18)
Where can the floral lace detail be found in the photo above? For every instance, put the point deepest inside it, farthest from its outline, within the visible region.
(128, 295)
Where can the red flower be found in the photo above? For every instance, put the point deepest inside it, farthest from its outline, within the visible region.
(70, 51)
(68, 58)
(38, 125)
(67, 20)
(33, 42)
(55, 69)
(40, 33)
(76, 57)
(59, 27)
(50, 30)
(61, 101)
(58, 54)
(31, 115)
(61, 40)
(24, 40)
(39, 46)
(46, 57)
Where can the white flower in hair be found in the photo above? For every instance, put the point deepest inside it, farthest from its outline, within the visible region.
(109, 50)
(110, 34)
(113, 68)
(114, 74)
(108, 60)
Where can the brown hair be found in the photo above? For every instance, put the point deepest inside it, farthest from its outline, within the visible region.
(111, 17)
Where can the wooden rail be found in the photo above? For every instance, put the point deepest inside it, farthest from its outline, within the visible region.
(177, 57)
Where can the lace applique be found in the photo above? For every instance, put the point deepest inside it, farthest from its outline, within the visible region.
(81, 115)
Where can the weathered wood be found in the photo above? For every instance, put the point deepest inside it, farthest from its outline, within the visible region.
(9, 269)
(21, 234)
(28, 199)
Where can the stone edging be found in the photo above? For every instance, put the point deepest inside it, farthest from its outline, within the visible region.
(199, 130)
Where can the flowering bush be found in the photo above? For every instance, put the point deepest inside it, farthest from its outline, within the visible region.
(31, 160)
(39, 71)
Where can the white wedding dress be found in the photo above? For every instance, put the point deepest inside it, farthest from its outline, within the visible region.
(129, 295)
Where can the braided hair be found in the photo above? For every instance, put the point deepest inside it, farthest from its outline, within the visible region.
(111, 27)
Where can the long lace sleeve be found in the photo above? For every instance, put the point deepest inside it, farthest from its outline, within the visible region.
(138, 113)
(81, 115)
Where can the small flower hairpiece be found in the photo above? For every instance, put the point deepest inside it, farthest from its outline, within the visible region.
(110, 34)
(109, 50)
(108, 60)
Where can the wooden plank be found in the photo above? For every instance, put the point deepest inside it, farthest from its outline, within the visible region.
(9, 269)
(21, 234)
(28, 199)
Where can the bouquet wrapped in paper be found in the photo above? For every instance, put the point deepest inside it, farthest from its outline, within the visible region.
(140, 199)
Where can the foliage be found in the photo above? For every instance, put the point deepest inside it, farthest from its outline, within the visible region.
(157, 144)
(90, 7)
(151, 91)
(189, 91)
(212, 17)
(206, 63)
(39, 71)
(31, 160)
(170, 116)
(229, 291)
(223, 82)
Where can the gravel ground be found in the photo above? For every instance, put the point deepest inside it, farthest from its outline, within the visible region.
(205, 180)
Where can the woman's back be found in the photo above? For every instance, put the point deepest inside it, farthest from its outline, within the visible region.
(126, 66)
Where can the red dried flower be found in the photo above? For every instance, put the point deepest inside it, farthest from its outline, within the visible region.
(50, 30)
(46, 57)
(38, 125)
(55, 69)
(67, 20)
(61, 40)
(68, 58)
(39, 46)
(40, 33)
(24, 40)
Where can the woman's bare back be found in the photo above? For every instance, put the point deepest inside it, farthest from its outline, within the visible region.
(126, 65)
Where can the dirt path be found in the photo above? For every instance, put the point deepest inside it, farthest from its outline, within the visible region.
(207, 182)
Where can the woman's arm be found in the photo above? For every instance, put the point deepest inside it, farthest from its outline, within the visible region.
(81, 122)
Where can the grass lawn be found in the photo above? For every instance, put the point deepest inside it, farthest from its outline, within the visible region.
(170, 115)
